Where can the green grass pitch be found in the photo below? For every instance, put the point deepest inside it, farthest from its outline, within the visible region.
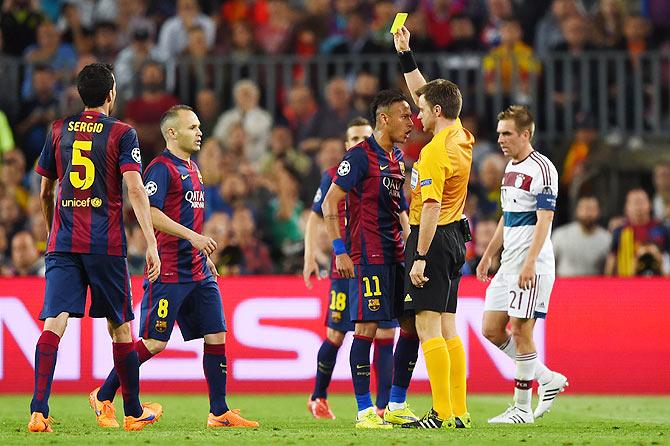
(575, 420)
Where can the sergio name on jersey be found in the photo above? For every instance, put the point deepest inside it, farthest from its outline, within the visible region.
(527, 186)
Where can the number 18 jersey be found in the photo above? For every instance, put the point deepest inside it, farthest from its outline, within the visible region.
(88, 153)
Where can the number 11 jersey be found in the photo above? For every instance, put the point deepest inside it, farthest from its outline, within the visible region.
(88, 153)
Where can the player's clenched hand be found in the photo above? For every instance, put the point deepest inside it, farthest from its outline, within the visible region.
(483, 269)
(416, 273)
(203, 243)
(212, 267)
(401, 39)
(344, 266)
(310, 267)
(527, 276)
(153, 264)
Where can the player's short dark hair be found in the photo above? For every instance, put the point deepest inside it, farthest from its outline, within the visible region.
(171, 113)
(94, 82)
(520, 114)
(444, 93)
(358, 122)
(383, 100)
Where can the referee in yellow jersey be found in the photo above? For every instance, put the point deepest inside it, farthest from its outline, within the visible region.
(435, 250)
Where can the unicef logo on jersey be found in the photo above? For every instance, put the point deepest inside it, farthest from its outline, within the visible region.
(151, 187)
(196, 198)
(137, 156)
(344, 168)
(317, 196)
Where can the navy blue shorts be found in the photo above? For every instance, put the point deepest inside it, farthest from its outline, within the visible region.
(68, 275)
(338, 317)
(376, 292)
(195, 306)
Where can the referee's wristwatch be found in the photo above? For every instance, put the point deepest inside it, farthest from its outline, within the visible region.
(418, 256)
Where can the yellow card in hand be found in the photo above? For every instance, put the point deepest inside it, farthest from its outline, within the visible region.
(398, 22)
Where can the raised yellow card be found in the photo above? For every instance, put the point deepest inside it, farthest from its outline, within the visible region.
(398, 22)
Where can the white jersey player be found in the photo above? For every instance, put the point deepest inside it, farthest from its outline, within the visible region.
(519, 292)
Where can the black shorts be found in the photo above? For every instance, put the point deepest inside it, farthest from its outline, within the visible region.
(444, 261)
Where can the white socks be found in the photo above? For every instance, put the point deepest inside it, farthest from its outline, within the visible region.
(542, 373)
(525, 371)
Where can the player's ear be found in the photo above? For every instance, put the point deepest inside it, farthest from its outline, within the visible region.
(437, 109)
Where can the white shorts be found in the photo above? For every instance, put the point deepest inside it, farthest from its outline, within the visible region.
(504, 294)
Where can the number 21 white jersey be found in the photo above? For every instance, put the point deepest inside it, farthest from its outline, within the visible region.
(527, 186)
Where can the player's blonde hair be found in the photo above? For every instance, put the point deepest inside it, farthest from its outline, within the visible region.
(520, 114)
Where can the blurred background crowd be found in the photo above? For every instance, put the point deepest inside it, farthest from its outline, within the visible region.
(261, 165)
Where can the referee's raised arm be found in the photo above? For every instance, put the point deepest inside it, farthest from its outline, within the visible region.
(413, 76)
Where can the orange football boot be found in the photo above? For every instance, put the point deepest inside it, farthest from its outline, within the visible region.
(38, 423)
(150, 414)
(319, 409)
(231, 418)
(104, 410)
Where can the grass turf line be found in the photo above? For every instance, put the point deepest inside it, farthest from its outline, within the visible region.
(575, 420)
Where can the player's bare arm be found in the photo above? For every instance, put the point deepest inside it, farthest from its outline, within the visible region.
(310, 266)
(430, 214)
(404, 222)
(165, 224)
(414, 79)
(492, 249)
(140, 203)
(527, 273)
(343, 263)
(47, 194)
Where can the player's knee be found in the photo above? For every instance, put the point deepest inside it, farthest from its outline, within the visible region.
(385, 333)
(335, 337)
(494, 334)
(57, 324)
(367, 329)
(215, 338)
(121, 333)
(154, 345)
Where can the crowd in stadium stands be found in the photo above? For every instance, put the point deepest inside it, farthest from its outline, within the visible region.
(261, 169)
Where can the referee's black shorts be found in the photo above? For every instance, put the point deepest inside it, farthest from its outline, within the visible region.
(444, 261)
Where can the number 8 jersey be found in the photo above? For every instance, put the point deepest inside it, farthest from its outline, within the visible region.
(527, 186)
(88, 153)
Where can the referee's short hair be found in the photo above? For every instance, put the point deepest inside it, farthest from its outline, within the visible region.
(520, 114)
(444, 93)
(169, 115)
(383, 100)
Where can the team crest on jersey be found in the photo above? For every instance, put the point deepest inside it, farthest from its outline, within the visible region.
(161, 326)
(317, 196)
(136, 154)
(374, 304)
(336, 316)
(344, 168)
(151, 187)
(402, 167)
(519, 180)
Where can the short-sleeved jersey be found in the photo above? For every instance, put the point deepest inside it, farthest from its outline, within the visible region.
(373, 179)
(88, 153)
(442, 173)
(527, 186)
(326, 181)
(175, 187)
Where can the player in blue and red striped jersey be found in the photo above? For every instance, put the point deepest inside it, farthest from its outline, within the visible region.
(371, 177)
(187, 291)
(90, 154)
(337, 319)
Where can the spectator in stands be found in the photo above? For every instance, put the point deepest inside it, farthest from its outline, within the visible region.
(130, 61)
(218, 227)
(6, 135)
(661, 201)
(26, 259)
(255, 121)
(639, 228)
(274, 36)
(106, 42)
(49, 51)
(196, 71)
(463, 36)
(254, 255)
(483, 234)
(207, 107)
(358, 39)
(144, 112)
(608, 23)
(330, 154)
(498, 10)
(129, 15)
(422, 41)
(510, 67)
(483, 145)
(5, 261)
(581, 247)
(12, 171)
(438, 21)
(549, 33)
(383, 13)
(243, 47)
(366, 86)
(230, 195)
(331, 120)
(38, 228)
(19, 20)
(73, 30)
(490, 175)
(299, 112)
(36, 113)
(173, 36)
